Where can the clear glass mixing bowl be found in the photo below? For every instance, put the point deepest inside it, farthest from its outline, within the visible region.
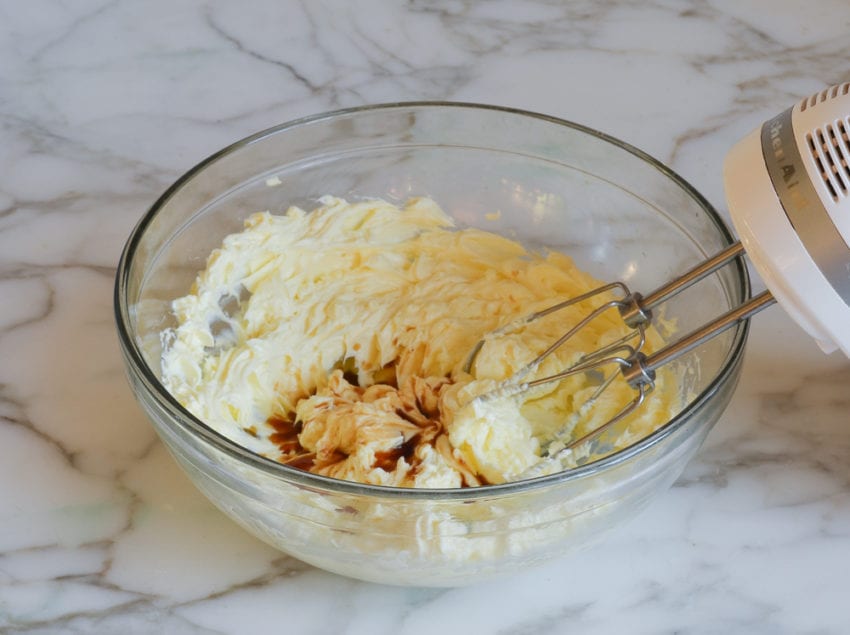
(543, 181)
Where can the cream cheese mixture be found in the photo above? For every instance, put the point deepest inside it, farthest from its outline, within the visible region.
(335, 341)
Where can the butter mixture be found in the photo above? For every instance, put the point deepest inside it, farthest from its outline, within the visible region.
(335, 341)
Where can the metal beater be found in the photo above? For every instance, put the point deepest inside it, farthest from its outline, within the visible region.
(788, 189)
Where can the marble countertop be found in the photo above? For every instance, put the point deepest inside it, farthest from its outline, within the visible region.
(103, 103)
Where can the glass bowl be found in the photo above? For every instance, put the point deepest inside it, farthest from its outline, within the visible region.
(546, 182)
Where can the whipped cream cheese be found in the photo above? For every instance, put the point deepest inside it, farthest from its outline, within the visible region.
(335, 341)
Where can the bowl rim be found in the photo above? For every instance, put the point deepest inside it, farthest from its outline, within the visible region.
(137, 365)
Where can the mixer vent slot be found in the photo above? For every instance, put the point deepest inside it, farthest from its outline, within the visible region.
(830, 149)
(824, 95)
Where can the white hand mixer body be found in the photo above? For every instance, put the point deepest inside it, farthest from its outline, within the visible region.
(788, 191)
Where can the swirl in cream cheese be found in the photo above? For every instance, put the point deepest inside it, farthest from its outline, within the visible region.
(335, 341)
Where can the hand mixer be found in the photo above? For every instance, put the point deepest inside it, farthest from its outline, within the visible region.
(788, 190)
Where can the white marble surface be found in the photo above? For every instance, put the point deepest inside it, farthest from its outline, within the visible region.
(104, 102)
